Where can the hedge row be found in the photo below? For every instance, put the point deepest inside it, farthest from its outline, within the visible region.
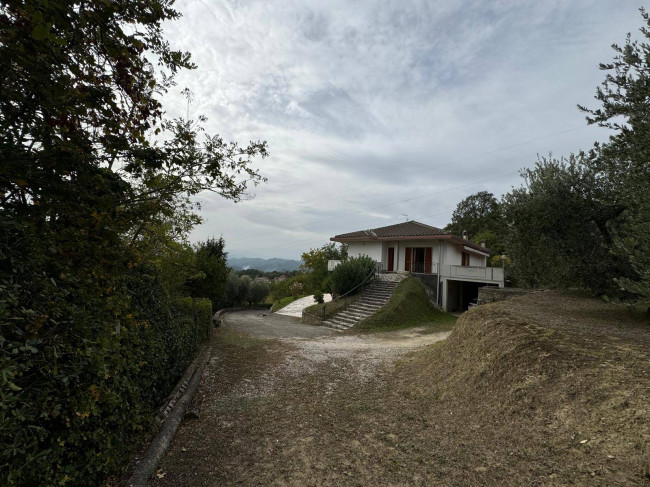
(79, 385)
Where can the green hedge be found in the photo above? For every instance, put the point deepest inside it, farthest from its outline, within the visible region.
(350, 273)
(80, 384)
(199, 309)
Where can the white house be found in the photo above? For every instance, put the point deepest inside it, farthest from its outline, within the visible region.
(451, 267)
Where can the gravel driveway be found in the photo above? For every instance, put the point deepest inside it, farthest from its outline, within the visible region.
(291, 411)
(262, 324)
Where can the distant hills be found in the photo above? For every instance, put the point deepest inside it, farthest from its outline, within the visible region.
(266, 265)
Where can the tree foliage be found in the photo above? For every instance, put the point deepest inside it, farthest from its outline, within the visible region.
(585, 220)
(480, 216)
(351, 273)
(315, 263)
(210, 281)
(237, 290)
(95, 186)
(554, 238)
(258, 292)
(623, 163)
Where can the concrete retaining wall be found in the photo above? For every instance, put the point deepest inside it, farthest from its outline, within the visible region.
(430, 282)
(490, 294)
(310, 319)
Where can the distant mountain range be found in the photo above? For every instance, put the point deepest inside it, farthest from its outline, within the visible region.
(266, 265)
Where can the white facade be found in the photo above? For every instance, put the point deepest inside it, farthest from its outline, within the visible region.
(374, 250)
(442, 253)
(455, 274)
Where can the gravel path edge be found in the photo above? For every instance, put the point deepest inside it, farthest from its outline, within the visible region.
(149, 462)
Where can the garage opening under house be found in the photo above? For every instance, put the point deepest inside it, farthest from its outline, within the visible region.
(452, 268)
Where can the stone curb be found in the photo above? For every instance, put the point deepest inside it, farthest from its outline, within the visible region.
(216, 317)
(149, 462)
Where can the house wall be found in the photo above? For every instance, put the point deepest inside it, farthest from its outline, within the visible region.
(453, 254)
(378, 251)
(401, 256)
(476, 260)
(371, 249)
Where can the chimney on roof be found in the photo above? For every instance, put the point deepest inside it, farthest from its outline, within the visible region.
(483, 243)
(465, 234)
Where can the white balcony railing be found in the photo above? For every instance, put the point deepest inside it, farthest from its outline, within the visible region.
(479, 273)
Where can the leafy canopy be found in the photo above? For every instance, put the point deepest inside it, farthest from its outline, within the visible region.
(623, 163)
(95, 185)
(315, 262)
(480, 216)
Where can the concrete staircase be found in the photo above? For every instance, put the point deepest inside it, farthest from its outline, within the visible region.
(371, 300)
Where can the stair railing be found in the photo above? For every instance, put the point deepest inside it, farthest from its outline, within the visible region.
(368, 278)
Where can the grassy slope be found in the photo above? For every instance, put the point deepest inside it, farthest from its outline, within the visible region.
(408, 306)
(551, 389)
(281, 303)
(332, 307)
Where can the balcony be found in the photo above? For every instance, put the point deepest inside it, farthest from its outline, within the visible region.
(479, 274)
(422, 267)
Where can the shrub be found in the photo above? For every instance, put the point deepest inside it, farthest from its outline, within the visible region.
(81, 383)
(237, 289)
(326, 285)
(351, 273)
(282, 289)
(319, 298)
(296, 288)
(258, 291)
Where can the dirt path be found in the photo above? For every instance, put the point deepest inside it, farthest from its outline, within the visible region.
(501, 402)
(266, 405)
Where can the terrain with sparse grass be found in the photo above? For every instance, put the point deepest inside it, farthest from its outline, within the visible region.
(409, 306)
(332, 307)
(544, 389)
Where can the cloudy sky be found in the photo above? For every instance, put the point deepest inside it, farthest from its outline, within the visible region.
(378, 111)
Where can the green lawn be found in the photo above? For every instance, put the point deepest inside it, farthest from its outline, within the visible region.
(332, 307)
(409, 306)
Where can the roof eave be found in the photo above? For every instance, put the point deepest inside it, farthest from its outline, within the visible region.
(454, 238)
(388, 239)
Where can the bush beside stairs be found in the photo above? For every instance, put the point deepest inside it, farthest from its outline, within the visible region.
(371, 300)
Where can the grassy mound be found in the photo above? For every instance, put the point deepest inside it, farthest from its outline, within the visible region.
(514, 398)
(408, 306)
(332, 307)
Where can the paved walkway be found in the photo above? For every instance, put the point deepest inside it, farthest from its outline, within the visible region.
(295, 308)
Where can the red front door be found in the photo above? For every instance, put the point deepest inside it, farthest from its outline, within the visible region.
(391, 258)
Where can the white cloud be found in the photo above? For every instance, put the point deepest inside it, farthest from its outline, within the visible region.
(374, 109)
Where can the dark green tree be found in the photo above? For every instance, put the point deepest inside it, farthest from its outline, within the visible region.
(315, 263)
(258, 292)
(480, 216)
(237, 289)
(213, 271)
(553, 234)
(351, 273)
(623, 163)
(93, 183)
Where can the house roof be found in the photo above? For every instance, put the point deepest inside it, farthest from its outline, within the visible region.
(410, 230)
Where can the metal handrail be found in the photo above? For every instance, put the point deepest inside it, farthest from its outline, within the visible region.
(345, 296)
(361, 284)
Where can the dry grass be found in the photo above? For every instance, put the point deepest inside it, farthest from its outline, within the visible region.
(546, 389)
